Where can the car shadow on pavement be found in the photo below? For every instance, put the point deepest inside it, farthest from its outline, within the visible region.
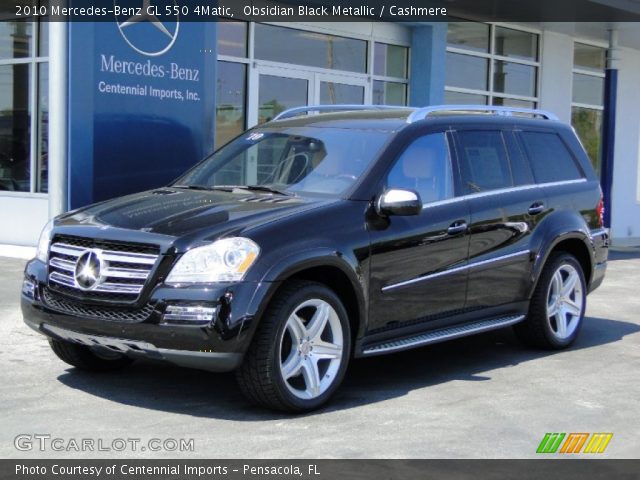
(163, 387)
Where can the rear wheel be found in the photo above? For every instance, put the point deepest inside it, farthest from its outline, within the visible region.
(300, 351)
(88, 359)
(558, 304)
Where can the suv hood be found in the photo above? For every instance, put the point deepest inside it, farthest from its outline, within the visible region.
(190, 214)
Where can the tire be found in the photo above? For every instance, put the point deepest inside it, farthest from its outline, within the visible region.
(556, 311)
(84, 358)
(295, 365)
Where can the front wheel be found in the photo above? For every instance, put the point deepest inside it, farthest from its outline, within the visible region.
(300, 351)
(558, 304)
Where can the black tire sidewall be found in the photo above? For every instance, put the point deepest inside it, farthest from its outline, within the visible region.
(311, 291)
(560, 260)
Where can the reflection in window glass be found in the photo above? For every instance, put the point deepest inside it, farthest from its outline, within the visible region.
(425, 167)
(588, 89)
(467, 71)
(484, 163)
(43, 128)
(468, 35)
(15, 128)
(512, 102)
(588, 57)
(588, 125)
(389, 93)
(232, 38)
(230, 101)
(390, 60)
(514, 78)
(516, 44)
(43, 38)
(459, 98)
(300, 47)
(332, 93)
(15, 39)
(277, 94)
(551, 161)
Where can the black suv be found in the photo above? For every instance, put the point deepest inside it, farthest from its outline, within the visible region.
(326, 234)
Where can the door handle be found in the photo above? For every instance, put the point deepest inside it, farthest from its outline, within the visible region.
(457, 227)
(536, 208)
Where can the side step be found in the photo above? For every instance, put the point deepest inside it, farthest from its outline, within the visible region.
(442, 335)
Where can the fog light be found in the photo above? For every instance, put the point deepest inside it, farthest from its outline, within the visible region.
(28, 288)
(189, 315)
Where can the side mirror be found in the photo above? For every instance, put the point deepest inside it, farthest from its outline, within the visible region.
(399, 202)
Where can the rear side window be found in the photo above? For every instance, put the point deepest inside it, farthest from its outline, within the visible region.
(484, 162)
(550, 158)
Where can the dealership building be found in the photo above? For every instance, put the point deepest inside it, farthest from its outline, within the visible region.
(94, 110)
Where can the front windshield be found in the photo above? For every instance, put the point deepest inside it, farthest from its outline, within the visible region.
(293, 160)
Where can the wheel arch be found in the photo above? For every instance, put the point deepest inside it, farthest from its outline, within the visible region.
(575, 243)
(338, 272)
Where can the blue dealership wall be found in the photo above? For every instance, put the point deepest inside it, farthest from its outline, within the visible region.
(141, 104)
(428, 64)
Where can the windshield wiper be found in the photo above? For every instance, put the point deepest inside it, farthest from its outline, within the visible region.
(205, 187)
(265, 188)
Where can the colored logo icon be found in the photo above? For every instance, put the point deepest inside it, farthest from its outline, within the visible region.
(574, 443)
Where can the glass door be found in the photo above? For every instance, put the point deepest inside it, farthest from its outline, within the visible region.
(279, 89)
(339, 89)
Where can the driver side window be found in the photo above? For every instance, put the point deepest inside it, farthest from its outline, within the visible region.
(425, 167)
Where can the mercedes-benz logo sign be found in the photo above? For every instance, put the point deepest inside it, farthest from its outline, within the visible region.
(143, 30)
(88, 270)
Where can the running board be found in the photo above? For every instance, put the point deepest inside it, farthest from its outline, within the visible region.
(442, 335)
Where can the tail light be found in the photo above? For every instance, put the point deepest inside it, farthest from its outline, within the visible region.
(600, 212)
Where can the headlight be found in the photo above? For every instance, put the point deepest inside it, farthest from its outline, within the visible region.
(42, 252)
(226, 260)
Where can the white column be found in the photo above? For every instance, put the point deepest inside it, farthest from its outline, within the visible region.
(58, 85)
(556, 77)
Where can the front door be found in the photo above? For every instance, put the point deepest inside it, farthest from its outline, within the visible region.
(418, 272)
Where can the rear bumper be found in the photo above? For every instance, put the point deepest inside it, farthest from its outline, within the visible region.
(600, 242)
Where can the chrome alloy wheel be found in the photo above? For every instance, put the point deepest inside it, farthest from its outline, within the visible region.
(565, 301)
(311, 349)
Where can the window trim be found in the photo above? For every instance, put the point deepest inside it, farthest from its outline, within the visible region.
(34, 61)
(491, 56)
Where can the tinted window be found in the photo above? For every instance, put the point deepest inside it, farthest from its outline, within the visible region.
(483, 161)
(520, 168)
(550, 159)
(425, 167)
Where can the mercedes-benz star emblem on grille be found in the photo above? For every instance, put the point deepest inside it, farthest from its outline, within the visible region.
(88, 270)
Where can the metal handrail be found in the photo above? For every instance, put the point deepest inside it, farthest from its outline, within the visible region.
(292, 112)
(422, 113)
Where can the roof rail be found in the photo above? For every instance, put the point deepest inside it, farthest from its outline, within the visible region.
(293, 112)
(422, 113)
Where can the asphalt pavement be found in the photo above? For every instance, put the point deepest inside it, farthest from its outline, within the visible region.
(479, 397)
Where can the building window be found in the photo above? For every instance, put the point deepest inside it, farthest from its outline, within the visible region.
(23, 106)
(263, 69)
(390, 74)
(491, 65)
(587, 105)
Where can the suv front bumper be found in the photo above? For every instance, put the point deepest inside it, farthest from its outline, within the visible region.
(217, 346)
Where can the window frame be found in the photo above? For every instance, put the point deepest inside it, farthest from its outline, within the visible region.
(34, 60)
(368, 76)
(492, 57)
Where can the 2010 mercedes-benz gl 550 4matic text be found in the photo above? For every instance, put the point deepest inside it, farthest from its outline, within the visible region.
(330, 233)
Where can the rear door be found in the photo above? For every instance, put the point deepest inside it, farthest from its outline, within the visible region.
(505, 206)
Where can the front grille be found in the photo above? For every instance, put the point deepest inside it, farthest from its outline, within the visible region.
(122, 273)
(68, 307)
